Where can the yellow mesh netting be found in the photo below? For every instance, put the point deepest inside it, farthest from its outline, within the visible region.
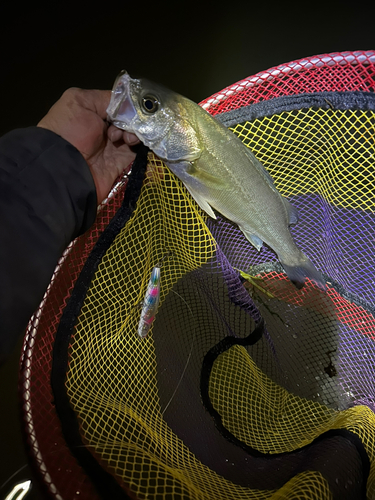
(271, 420)
(328, 152)
(112, 377)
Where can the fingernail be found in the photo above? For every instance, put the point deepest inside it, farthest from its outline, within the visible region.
(114, 134)
(131, 139)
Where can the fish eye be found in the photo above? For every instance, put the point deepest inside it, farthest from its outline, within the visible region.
(150, 104)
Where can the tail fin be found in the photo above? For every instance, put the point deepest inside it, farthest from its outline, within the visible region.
(304, 269)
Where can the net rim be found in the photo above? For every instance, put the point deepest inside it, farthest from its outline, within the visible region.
(317, 61)
(336, 58)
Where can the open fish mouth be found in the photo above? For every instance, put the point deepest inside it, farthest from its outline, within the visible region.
(121, 110)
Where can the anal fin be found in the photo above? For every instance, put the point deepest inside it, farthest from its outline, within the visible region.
(253, 238)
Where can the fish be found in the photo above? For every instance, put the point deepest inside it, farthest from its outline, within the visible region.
(220, 172)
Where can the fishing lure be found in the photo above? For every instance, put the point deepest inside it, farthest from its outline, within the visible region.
(151, 301)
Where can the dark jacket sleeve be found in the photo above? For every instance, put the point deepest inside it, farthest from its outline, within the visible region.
(47, 198)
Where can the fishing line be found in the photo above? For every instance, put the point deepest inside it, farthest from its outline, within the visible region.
(121, 443)
(14, 474)
(188, 358)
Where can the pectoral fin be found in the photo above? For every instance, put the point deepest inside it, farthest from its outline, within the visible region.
(205, 178)
(196, 182)
(201, 201)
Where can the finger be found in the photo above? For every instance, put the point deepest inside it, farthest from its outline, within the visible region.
(94, 100)
(102, 102)
(114, 134)
(130, 138)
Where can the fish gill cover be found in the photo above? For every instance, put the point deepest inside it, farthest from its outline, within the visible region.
(245, 387)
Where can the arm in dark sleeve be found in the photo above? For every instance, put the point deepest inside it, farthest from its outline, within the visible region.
(47, 198)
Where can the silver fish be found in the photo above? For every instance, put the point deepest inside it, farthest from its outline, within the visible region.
(219, 171)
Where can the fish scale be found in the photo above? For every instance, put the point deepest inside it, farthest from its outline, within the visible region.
(218, 170)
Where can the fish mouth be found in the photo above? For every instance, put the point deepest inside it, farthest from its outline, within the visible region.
(121, 110)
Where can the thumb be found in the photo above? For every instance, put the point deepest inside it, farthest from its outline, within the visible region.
(96, 100)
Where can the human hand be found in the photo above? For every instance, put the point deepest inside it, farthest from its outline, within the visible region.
(78, 117)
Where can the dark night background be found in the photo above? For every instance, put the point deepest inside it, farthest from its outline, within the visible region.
(195, 51)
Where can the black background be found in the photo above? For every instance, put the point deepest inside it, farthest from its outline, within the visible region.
(195, 49)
